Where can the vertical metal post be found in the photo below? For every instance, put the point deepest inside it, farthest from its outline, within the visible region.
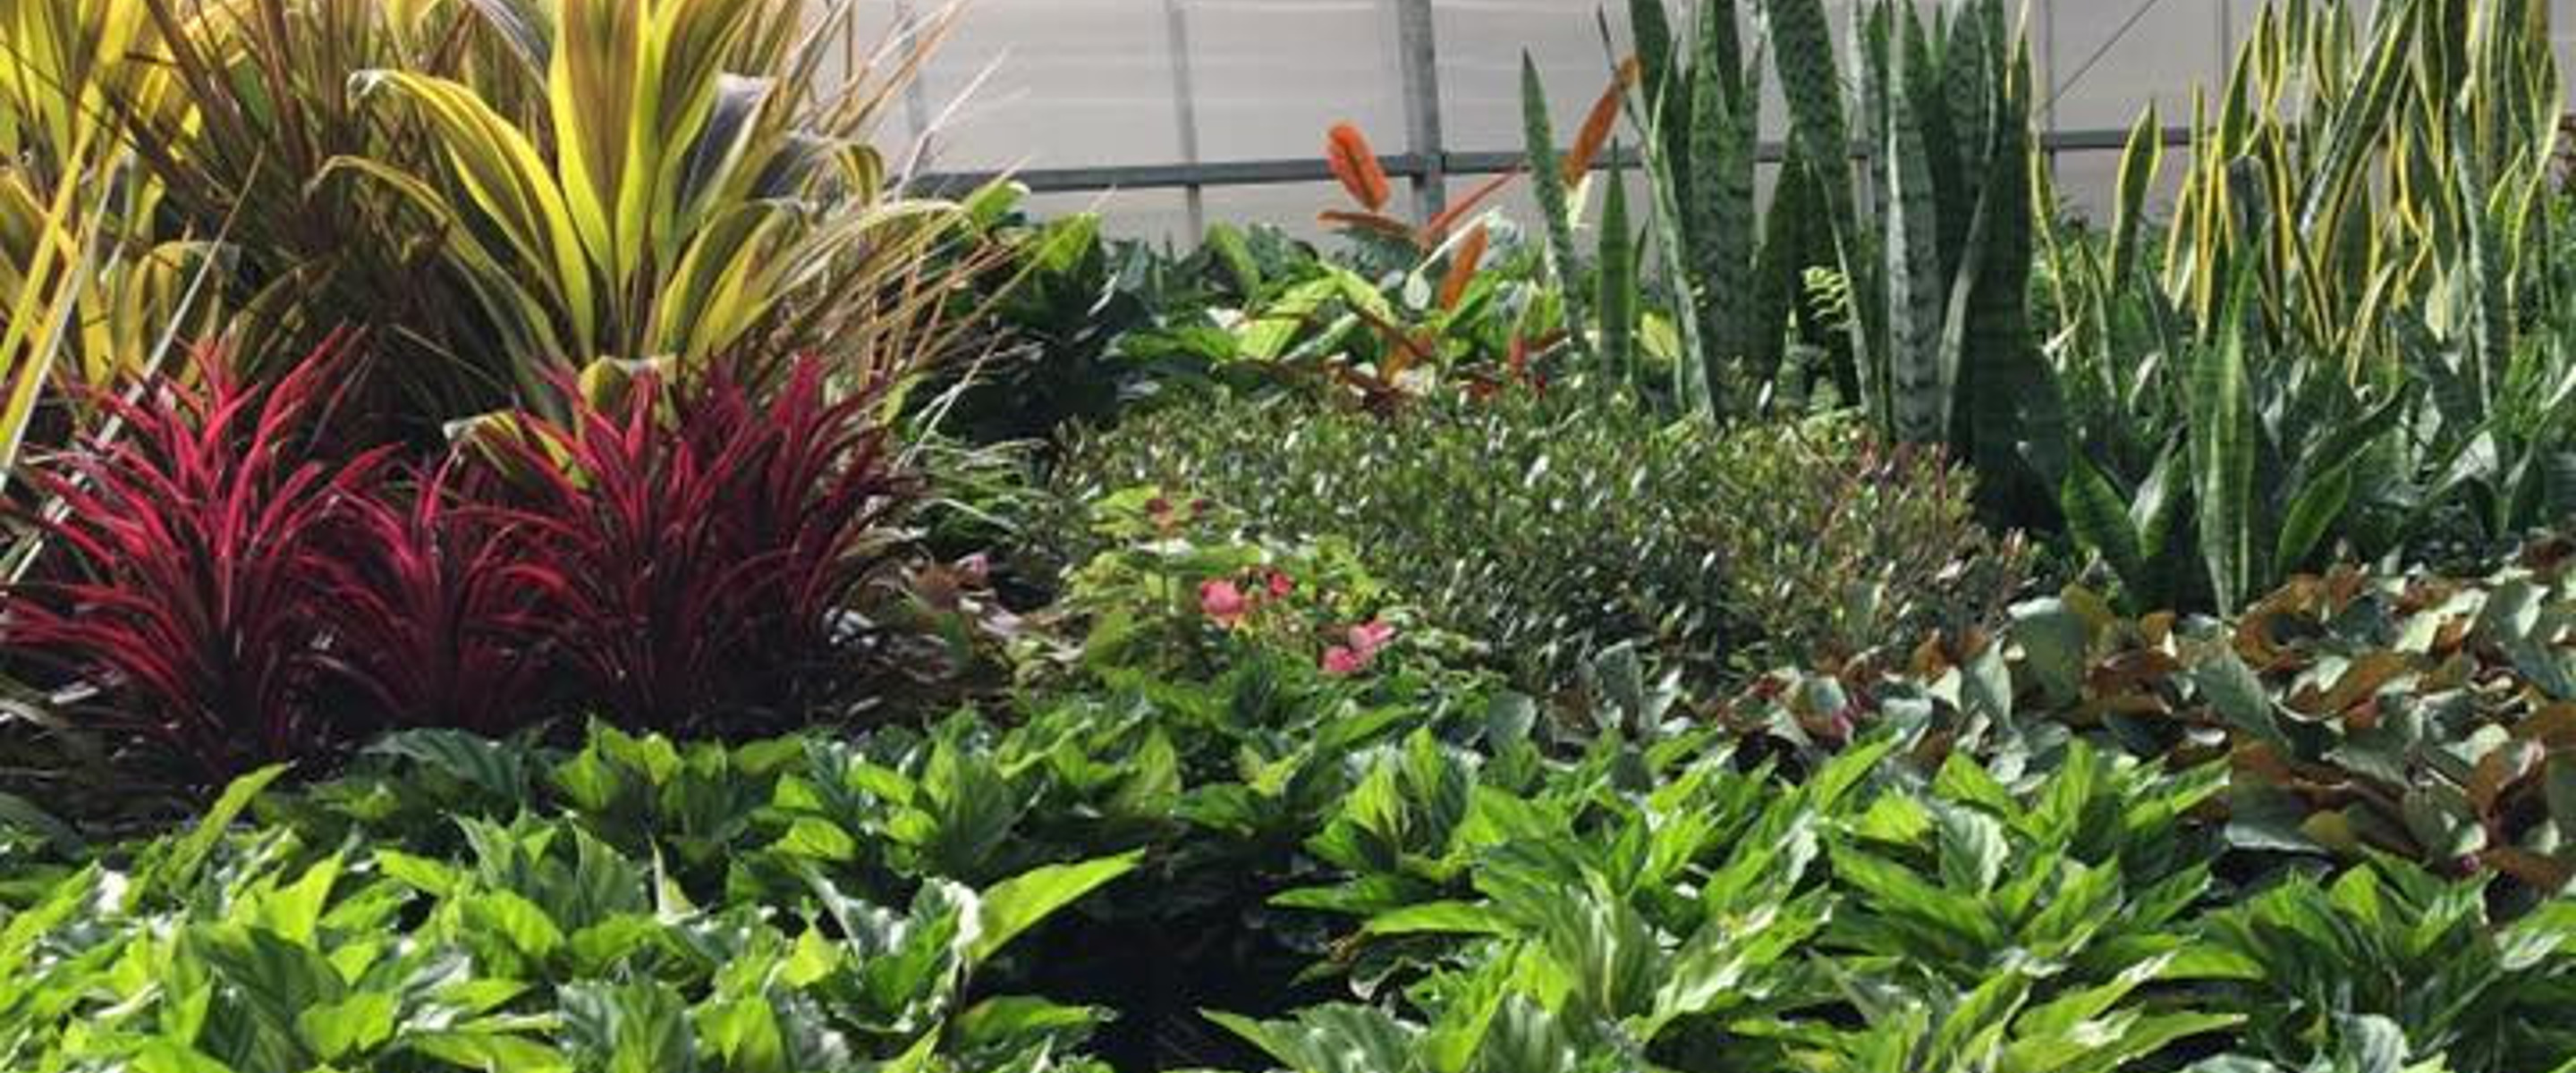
(1418, 56)
(1185, 108)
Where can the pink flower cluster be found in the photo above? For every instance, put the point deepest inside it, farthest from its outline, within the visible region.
(1229, 604)
(1365, 641)
(1226, 604)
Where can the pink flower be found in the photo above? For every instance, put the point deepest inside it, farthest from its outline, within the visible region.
(1367, 637)
(1222, 602)
(1366, 640)
(1281, 585)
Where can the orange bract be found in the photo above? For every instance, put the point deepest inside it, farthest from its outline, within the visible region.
(1355, 164)
(1596, 126)
(1462, 267)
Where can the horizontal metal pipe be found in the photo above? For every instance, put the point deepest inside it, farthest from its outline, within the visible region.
(1403, 165)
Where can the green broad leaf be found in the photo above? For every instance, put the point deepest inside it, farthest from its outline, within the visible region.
(2237, 695)
(597, 948)
(429, 876)
(2054, 645)
(1336, 1038)
(2369, 1044)
(2267, 819)
(178, 870)
(917, 1058)
(292, 911)
(493, 767)
(1016, 904)
(1441, 918)
(354, 1025)
(16, 811)
(164, 1056)
(488, 1052)
(2442, 821)
(818, 839)
(744, 1034)
(2098, 519)
(639, 1027)
(1266, 333)
(1973, 849)
(1011, 1019)
(520, 922)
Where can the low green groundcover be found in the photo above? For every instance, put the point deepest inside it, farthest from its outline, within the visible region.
(1281, 865)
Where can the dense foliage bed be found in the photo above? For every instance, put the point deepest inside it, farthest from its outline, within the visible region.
(529, 543)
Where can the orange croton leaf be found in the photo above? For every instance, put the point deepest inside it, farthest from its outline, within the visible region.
(1462, 267)
(1347, 151)
(1438, 229)
(1596, 127)
(1366, 221)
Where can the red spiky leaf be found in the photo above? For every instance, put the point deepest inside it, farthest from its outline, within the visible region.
(431, 618)
(186, 562)
(705, 564)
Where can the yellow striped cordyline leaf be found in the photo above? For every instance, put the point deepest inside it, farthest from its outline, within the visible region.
(678, 195)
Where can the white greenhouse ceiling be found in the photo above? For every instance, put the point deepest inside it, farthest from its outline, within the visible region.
(1074, 84)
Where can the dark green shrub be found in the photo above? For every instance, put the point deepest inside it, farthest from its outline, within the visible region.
(1552, 528)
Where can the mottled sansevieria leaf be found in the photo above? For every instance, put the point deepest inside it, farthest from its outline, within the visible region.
(1555, 206)
(2139, 162)
(2222, 455)
(1916, 291)
(1618, 305)
(1717, 188)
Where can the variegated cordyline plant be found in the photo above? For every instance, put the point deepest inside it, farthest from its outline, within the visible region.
(87, 291)
(689, 186)
(503, 189)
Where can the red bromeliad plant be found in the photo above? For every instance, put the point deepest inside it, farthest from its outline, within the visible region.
(431, 613)
(702, 552)
(187, 553)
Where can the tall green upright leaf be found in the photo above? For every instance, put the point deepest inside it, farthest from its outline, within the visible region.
(1618, 307)
(1547, 181)
(2222, 454)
